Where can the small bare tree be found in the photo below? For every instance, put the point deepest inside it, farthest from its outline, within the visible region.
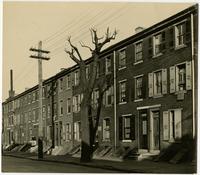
(89, 126)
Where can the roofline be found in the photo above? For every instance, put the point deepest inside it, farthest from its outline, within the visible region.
(116, 46)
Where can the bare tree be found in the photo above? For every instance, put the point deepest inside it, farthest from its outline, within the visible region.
(89, 125)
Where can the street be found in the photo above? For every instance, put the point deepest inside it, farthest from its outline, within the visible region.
(12, 164)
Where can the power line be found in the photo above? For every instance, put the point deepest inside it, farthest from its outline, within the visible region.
(86, 33)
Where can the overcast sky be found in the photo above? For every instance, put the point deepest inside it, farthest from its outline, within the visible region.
(26, 23)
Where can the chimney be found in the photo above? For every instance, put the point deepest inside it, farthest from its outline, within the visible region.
(139, 29)
(11, 91)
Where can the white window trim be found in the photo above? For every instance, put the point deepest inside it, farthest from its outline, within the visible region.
(69, 87)
(109, 55)
(124, 48)
(153, 37)
(157, 95)
(107, 140)
(127, 141)
(141, 61)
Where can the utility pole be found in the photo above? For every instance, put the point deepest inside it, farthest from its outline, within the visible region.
(40, 125)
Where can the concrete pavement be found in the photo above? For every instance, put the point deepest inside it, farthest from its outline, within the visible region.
(127, 166)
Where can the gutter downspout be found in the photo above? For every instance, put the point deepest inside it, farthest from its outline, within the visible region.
(115, 102)
(193, 78)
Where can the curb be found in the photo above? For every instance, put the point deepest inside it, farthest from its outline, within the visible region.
(80, 164)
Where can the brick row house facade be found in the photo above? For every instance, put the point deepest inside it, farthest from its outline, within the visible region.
(150, 105)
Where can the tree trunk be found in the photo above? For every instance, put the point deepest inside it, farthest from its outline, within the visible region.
(86, 151)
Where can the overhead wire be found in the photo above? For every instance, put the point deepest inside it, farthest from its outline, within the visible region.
(110, 20)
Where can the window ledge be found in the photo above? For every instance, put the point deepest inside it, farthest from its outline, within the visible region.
(68, 88)
(138, 62)
(138, 100)
(121, 103)
(110, 105)
(106, 140)
(126, 141)
(178, 92)
(108, 73)
(158, 96)
(155, 56)
(121, 68)
(180, 47)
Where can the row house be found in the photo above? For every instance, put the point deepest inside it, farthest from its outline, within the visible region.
(151, 104)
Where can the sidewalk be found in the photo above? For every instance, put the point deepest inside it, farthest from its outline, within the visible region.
(127, 166)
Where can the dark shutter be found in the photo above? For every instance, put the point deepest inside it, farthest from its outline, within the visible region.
(187, 32)
(120, 128)
(171, 37)
(132, 87)
(127, 91)
(133, 53)
(163, 46)
(132, 125)
(117, 60)
(117, 93)
(150, 50)
(112, 62)
(144, 79)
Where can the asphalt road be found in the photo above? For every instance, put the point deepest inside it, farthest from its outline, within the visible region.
(12, 164)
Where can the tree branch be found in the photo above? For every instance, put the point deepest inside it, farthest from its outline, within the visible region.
(74, 48)
(83, 45)
(71, 54)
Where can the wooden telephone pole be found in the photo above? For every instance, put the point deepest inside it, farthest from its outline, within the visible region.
(40, 124)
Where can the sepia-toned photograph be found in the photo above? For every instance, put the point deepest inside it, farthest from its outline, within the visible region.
(99, 87)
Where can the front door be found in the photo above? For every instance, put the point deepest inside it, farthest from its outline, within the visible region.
(156, 130)
(143, 125)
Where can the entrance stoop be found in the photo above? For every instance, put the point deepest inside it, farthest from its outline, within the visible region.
(143, 154)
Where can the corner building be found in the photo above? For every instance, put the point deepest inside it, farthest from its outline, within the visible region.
(151, 104)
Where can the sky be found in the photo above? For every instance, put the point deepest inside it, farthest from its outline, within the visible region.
(27, 23)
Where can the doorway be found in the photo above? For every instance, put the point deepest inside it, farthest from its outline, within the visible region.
(143, 129)
(155, 130)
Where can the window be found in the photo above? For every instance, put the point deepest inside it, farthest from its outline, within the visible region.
(68, 105)
(122, 92)
(108, 64)
(34, 116)
(122, 59)
(29, 98)
(127, 127)
(109, 96)
(76, 78)
(138, 88)
(68, 131)
(68, 81)
(98, 69)
(95, 97)
(180, 34)
(55, 109)
(34, 97)
(87, 74)
(43, 112)
(138, 52)
(76, 103)
(48, 111)
(106, 129)
(44, 92)
(61, 107)
(157, 44)
(172, 124)
(77, 131)
(61, 84)
(29, 116)
(158, 83)
(181, 77)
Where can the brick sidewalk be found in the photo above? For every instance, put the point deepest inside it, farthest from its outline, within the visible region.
(127, 166)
